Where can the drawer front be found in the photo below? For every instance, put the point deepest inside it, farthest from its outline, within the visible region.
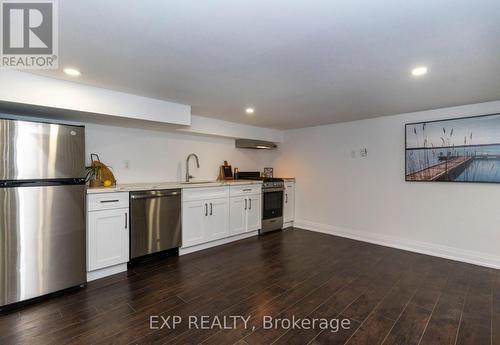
(107, 201)
(193, 194)
(241, 190)
(289, 185)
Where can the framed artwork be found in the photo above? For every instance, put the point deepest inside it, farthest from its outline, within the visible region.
(455, 150)
(268, 172)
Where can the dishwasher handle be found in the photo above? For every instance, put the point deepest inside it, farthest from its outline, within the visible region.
(155, 195)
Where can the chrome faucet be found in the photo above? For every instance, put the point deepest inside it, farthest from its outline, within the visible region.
(187, 165)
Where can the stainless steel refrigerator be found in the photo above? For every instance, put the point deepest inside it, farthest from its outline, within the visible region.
(42, 209)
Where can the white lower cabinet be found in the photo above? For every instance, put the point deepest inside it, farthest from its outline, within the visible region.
(204, 220)
(254, 213)
(193, 222)
(289, 203)
(218, 219)
(108, 238)
(238, 215)
(214, 214)
(246, 213)
(107, 234)
(205, 215)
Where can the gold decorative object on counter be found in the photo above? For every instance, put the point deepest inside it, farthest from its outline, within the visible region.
(99, 174)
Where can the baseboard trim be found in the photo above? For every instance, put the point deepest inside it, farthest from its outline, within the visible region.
(104, 272)
(195, 248)
(446, 252)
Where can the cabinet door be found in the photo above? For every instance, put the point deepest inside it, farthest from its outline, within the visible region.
(237, 215)
(289, 203)
(108, 238)
(194, 218)
(254, 212)
(218, 218)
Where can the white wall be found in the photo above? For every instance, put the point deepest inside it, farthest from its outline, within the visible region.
(367, 198)
(157, 156)
(206, 125)
(160, 155)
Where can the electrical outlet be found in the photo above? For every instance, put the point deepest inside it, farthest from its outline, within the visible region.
(353, 154)
(363, 152)
(126, 164)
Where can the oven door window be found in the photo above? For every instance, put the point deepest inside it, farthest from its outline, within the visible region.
(273, 205)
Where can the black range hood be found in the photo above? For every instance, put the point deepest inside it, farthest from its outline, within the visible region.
(255, 144)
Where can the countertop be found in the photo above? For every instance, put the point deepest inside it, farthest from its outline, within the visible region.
(289, 179)
(131, 187)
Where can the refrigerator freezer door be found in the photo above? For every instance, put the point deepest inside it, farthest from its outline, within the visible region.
(37, 151)
(42, 241)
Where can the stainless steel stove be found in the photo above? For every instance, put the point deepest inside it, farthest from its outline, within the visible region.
(272, 200)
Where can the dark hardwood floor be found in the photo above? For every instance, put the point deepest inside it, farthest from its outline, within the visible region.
(389, 296)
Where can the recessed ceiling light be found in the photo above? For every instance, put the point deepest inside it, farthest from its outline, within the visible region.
(72, 72)
(250, 110)
(419, 71)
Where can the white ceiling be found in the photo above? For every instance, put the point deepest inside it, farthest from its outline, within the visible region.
(299, 63)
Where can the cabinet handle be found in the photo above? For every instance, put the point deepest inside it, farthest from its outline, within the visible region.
(286, 198)
(126, 220)
(250, 202)
(211, 210)
(105, 201)
(206, 210)
(245, 204)
(247, 190)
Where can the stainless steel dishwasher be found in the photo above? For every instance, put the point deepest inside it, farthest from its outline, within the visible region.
(155, 221)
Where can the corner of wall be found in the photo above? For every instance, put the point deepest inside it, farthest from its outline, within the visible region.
(446, 252)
